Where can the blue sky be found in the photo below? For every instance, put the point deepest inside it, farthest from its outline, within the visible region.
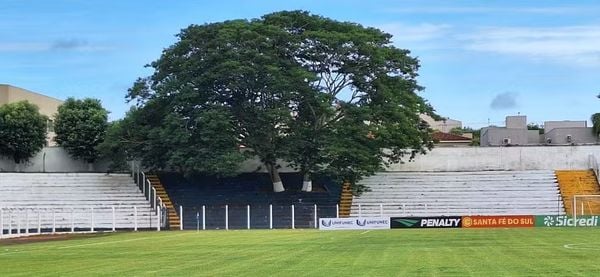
(481, 60)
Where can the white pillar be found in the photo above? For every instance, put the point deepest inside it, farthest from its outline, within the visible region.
(158, 218)
(143, 182)
(10, 221)
(337, 210)
(72, 221)
(293, 218)
(270, 216)
(359, 210)
(181, 218)
(92, 220)
(248, 217)
(316, 218)
(203, 217)
(1, 222)
(226, 217)
(114, 220)
(19, 222)
(53, 221)
(26, 221)
(135, 219)
(154, 197)
(149, 190)
(39, 228)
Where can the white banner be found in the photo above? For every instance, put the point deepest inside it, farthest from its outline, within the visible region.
(362, 223)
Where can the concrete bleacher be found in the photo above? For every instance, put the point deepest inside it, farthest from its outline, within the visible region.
(459, 193)
(249, 189)
(72, 201)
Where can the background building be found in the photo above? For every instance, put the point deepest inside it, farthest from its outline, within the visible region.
(48, 105)
(555, 133)
(515, 133)
(568, 132)
(445, 125)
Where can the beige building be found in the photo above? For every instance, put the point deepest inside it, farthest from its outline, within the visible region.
(445, 125)
(48, 105)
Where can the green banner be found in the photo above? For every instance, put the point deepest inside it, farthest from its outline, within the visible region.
(566, 221)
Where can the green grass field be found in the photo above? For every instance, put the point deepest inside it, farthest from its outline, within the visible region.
(483, 252)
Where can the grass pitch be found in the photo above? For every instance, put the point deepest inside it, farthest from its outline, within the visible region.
(483, 252)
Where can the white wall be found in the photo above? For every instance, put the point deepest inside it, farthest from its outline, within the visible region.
(439, 159)
(501, 158)
(51, 159)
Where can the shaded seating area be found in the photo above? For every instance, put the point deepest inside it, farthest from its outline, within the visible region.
(227, 201)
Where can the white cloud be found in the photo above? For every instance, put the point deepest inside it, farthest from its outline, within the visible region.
(487, 9)
(57, 45)
(415, 33)
(578, 45)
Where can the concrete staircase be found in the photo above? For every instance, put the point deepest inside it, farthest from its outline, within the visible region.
(579, 182)
(346, 201)
(173, 217)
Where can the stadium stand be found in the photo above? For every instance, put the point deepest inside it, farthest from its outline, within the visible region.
(249, 189)
(460, 193)
(72, 201)
(579, 182)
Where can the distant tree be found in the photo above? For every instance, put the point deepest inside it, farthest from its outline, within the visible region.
(113, 148)
(457, 131)
(80, 126)
(533, 126)
(22, 131)
(475, 141)
(596, 123)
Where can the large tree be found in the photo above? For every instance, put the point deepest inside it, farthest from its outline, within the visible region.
(80, 126)
(239, 67)
(22, 131)
(365, 113)
(327, 96)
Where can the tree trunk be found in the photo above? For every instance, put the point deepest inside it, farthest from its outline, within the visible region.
(91, 167)
(275, 178)
(307, 182)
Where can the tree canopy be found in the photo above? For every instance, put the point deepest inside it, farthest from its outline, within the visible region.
(22, 131)
(327, 96)
(80, 126)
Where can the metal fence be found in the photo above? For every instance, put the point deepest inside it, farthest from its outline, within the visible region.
(257, 216)
(26, 221)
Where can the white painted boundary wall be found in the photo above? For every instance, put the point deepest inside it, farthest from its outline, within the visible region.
(502, 158)
(51, 159)
(56, 159)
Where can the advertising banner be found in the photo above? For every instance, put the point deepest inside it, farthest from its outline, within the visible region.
(566, 221)
(426, 222)
(363, 223)
(498, 221)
